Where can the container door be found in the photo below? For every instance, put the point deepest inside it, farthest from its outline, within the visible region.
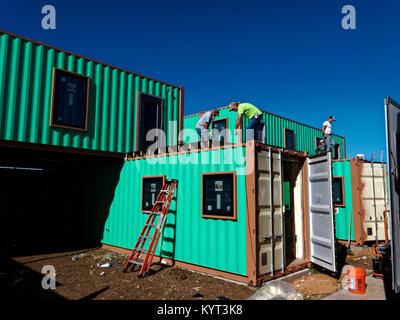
(321, 215)
(392, 112)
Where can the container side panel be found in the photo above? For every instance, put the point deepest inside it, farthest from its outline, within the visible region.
(187, 237)
(345, 213)
(26, 86)
(374, 200)
(392, 115)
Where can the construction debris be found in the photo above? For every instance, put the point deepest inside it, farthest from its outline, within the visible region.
(107, 265)
(79, 256)
(276, 290)
(111, 256)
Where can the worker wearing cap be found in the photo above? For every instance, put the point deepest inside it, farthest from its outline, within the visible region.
(327, 131)
(202, 126)
(249, 111)
(321, 146)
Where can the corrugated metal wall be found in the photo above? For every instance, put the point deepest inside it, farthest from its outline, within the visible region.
(342, 218)
(374, 199)
(366, 194)
(264, 246)
(100, 182)
(304, 134)
(26, 74)
(213, 243)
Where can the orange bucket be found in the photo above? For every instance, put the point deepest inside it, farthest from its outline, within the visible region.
(356, 280)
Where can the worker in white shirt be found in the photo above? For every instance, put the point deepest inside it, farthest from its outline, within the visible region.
(202, 126)
(327, 131)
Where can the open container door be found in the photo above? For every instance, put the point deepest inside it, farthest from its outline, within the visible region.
(392, 115)
(321, 215)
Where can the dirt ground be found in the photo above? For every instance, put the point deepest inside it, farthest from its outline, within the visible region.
(318, 285)
(80, 277)
(84, 279)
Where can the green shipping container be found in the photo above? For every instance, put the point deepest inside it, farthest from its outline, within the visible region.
(27, 71)
(305, 136)
(187, 236)
(342, 171)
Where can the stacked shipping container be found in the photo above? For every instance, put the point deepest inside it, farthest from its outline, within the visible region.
(26, 89)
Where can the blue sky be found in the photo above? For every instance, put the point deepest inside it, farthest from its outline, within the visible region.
(292, 58)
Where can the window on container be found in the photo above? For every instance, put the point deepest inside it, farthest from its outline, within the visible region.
(219, 130)
(260, 134)
(289, 139)
(338, 191)
(219, 195)
(151, 187)
(150, 117)
(70, 101)
(337, 152)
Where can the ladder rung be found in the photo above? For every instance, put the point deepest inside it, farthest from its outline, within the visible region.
(141, 250)
(156, 213)
(136, 262)
(146, 237)
(151, 225)
(160, 202)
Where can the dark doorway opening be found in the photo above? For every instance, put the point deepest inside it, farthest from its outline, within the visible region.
(54, 201)
(151, 110)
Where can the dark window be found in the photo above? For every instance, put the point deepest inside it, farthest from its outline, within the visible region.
(150, 190)
(70, 100)
(218, 128)
(338, 191)
(337, 152)
(259, 134)
(289, 139)
(218, 195)
(150, 117)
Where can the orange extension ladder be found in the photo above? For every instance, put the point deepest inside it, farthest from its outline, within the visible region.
(160, 209)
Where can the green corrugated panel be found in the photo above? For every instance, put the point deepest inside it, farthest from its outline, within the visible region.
(304, 135)
(213, 243)
(342, 218)
(26, 74)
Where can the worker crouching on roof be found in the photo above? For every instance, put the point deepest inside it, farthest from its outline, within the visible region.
(251, 112)
(321, 147)
(202, 126)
